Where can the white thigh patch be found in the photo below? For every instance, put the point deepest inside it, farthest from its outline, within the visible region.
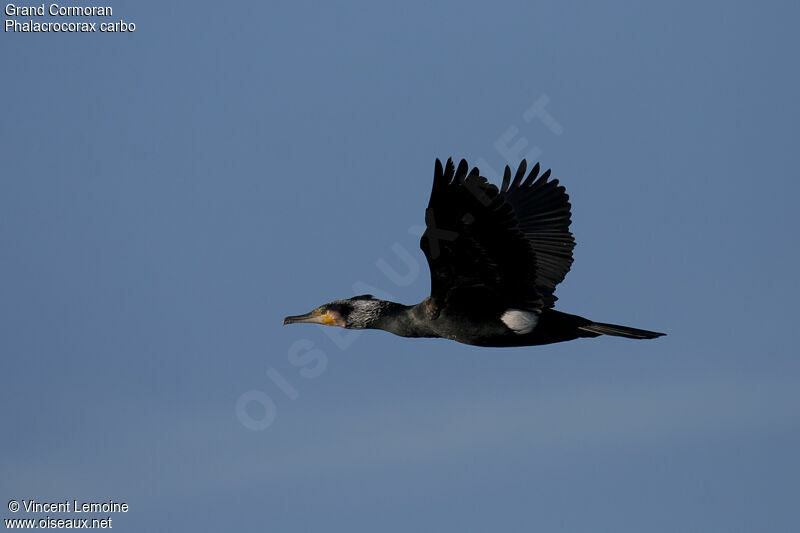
(520, 322)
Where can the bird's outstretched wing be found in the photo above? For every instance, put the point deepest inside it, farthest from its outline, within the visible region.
(473, 242)
(542, 210)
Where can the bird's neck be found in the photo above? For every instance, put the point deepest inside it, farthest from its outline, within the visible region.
(399, 319)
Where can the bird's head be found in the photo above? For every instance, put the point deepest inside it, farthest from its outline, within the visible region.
(357, 312)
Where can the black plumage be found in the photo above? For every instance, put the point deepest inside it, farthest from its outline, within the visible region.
(495, 258)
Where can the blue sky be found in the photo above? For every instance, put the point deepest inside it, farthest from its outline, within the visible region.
(169, 195)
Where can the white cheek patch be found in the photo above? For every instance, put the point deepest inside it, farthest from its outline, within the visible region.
(520, 322)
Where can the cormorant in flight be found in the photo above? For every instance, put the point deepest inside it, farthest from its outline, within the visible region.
(495, 257)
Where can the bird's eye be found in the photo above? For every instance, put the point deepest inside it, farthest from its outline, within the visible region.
(322, 310)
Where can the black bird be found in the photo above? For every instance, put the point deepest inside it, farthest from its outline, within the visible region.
(495, 256)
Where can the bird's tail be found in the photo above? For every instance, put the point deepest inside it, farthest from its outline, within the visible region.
(599, 328)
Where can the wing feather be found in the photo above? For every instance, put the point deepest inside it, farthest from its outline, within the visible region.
(473, 240)
(542, 209)
(513, 242)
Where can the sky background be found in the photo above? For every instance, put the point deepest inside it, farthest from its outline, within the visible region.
(168, 196)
